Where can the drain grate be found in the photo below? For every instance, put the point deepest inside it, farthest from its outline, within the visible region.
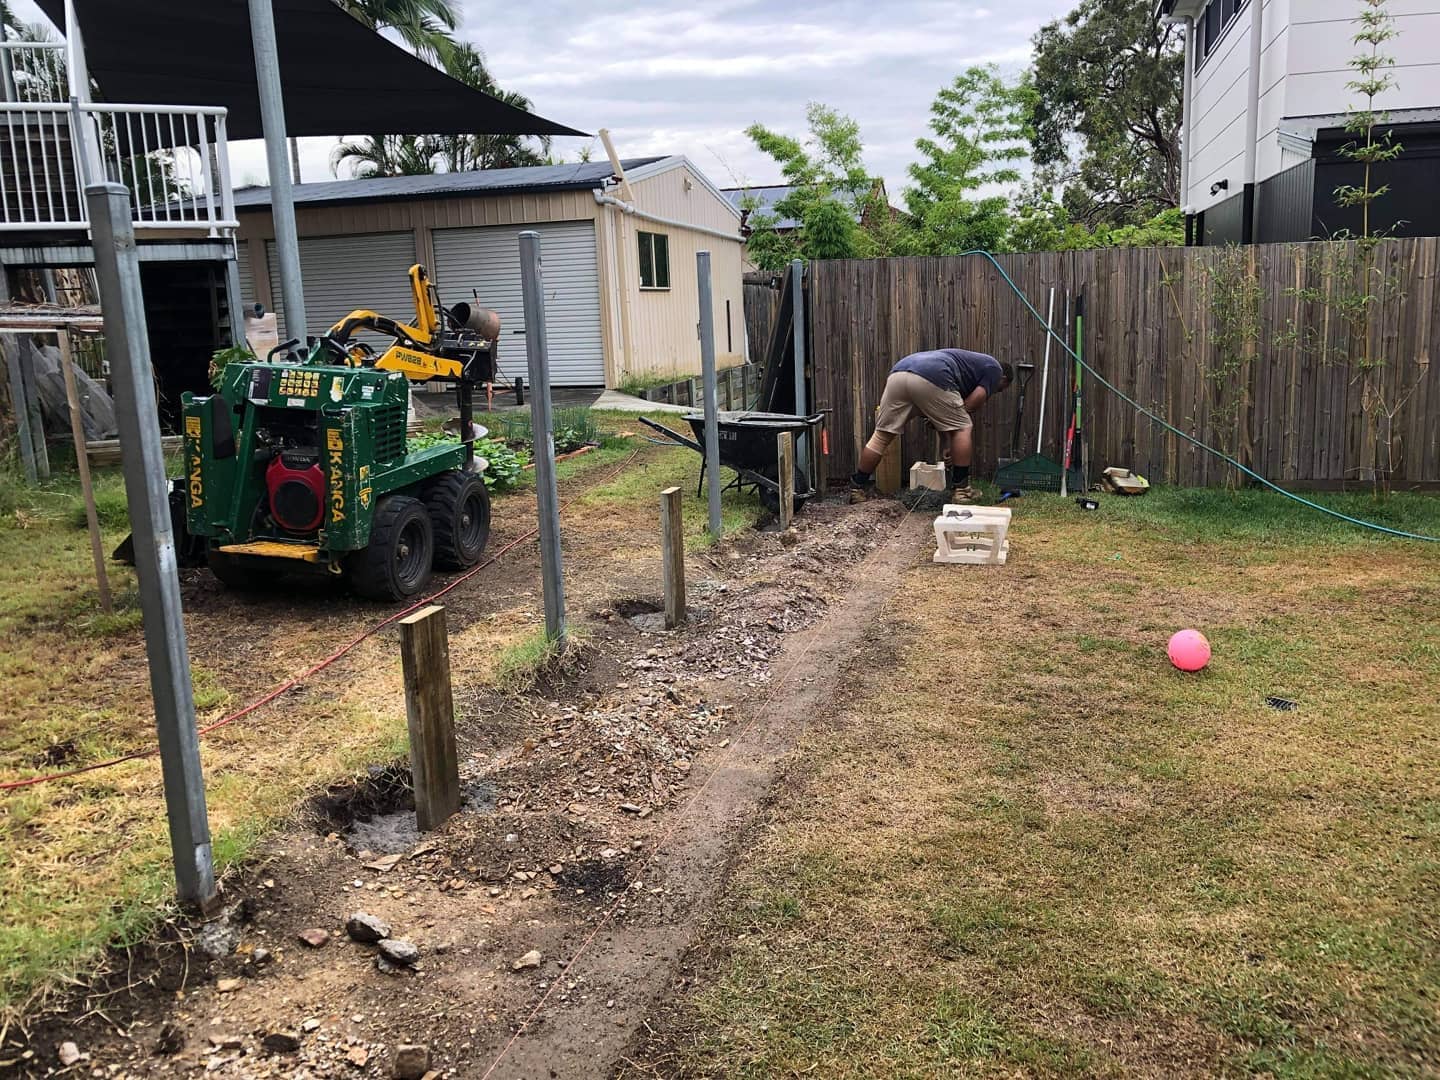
(1280, 704)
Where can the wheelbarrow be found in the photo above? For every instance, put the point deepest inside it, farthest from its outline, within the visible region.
(748, 447)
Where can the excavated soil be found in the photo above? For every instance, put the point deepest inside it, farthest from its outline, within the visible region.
(602, 812)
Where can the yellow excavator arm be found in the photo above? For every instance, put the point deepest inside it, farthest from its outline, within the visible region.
(415, 353)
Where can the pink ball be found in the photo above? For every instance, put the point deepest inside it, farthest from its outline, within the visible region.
(1189, 651)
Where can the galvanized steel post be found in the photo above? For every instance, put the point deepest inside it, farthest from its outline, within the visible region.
(797, 307)
(277, 161)
(117, 269)
(712, 412)
(542, 435)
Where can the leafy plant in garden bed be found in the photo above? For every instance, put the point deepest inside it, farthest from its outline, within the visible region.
(505, 463)
(574, 428)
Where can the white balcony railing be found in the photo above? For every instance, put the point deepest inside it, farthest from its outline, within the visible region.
(33, 71)
(174, 159)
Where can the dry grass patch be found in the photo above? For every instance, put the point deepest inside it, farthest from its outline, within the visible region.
(1029, 847)
(84, 862)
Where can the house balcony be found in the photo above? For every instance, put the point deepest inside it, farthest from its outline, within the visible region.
(53, 141)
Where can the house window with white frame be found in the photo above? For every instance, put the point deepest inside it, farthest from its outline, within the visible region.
(654, 261)
(1212, 24)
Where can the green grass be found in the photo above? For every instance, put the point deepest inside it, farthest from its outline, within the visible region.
(637, 384)
(1028, 847)
(1205, 514)
(678, 467)
(66, 888)
(520, 664)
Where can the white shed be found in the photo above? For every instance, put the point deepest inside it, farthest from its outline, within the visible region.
(619, 273)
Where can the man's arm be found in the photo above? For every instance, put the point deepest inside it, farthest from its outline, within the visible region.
(976, 399)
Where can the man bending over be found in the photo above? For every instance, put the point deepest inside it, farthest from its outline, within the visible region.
(946, 386)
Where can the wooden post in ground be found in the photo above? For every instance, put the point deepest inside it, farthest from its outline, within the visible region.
(82, 463)
(10, 346)
(430, 716)
(672, 539)
(787, 478)
(31, 394)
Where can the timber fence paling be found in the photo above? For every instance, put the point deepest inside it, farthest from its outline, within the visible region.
(1151, 328)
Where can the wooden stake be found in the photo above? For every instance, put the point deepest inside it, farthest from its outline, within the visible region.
(82, 463)
(10, 346)
(672, 539)
(787, 478)
(430, 715)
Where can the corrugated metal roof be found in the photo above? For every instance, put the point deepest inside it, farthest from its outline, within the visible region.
(481, 182)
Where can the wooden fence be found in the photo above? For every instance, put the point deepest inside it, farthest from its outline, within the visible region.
(762, 307)
(1245, 348)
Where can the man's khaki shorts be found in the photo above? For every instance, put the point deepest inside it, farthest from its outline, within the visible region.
(907, 393)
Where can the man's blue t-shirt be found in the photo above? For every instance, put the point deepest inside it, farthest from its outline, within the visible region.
(954, 369)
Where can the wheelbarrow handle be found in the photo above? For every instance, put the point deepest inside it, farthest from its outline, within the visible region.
(675, 435)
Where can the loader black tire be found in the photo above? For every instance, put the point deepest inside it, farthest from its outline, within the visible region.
(239, 572)
(398, 562)
(459, 508)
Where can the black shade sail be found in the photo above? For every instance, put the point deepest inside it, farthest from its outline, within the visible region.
(339, 76)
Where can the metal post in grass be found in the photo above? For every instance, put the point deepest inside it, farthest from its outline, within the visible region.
(147, 495)
(542, 434)
(712, 411)
(797, 307)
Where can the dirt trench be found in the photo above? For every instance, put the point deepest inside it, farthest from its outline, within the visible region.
(605, 809)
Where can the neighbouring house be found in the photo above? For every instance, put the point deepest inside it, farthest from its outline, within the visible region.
(1266, 102)
(621, 297)
(762, 200)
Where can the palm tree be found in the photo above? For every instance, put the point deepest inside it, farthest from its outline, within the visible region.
(424, 25)
(461, 153)
(385, 155)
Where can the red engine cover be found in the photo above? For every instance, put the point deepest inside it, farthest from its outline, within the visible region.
(297, 493)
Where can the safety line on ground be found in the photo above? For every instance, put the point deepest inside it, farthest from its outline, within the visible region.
(319, 665)
(681, 814)
(1220, 454)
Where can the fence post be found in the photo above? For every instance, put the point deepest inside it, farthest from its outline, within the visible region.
(117, 270)
(797, 307)
(672, 539)
(277, 160)
(712, 412)
(786, 455)
(542, 433)
(82, 464)
(30, 394)
(10, 346)
(430, 716)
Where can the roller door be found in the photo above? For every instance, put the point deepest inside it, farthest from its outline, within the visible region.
(487, 261)
(342, 273)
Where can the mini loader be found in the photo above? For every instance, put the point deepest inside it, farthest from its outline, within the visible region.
(300, 461)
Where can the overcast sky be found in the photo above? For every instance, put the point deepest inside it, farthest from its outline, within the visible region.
(676, 77)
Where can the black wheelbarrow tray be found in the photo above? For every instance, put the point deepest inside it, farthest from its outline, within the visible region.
(748, 446)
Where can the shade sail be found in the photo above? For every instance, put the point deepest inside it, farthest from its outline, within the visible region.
(339, 76)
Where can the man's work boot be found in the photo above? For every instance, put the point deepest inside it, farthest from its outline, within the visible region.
(965, 494)
(860, 492)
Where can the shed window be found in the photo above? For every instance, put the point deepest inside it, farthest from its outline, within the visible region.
(654, 261)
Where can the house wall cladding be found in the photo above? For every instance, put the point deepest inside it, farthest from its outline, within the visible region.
(1152, 329)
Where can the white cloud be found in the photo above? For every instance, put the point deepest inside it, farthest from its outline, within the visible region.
(669, 77)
